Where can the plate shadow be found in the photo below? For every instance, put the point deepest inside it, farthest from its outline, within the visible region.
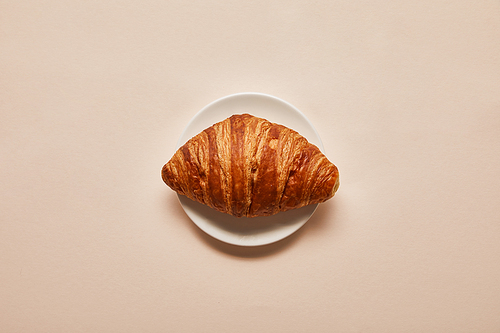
(322, 217)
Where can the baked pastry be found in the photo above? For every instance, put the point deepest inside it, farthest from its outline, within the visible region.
(248, 166)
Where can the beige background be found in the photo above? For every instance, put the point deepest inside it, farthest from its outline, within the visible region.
(95, 94)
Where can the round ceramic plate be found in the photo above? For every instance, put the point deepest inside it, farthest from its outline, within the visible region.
(257, 230)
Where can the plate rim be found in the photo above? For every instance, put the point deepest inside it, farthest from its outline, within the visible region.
(180, 142)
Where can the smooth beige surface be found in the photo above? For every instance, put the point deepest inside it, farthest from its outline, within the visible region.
(95, 94)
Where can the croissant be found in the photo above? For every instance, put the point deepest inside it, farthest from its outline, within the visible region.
(248, 166)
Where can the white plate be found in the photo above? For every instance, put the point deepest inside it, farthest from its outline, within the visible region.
(258, 230)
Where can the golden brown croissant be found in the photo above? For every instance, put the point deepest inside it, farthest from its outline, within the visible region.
(248, 166)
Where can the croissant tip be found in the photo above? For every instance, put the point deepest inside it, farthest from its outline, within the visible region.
(163, 171)
(336, 186)
(165, 175)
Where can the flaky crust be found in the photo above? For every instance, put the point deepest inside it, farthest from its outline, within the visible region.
(248, 166)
